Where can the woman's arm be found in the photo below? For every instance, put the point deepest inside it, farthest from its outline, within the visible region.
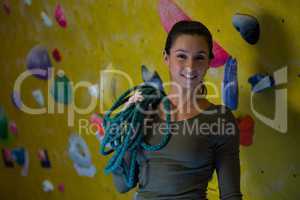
(119, 181)
(119, 178)
(227, 160)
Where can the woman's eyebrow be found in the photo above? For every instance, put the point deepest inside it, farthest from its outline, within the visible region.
(183, 50)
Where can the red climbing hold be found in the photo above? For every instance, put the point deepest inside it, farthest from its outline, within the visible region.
(96, 120)
(56, 55)
(246, 127)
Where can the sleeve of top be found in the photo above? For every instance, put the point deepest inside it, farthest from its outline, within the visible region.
(119, 180)
(227, 159)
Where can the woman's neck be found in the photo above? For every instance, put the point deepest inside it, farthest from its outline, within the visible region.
(186, 100)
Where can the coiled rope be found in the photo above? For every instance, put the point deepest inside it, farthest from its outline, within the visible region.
(124, 131)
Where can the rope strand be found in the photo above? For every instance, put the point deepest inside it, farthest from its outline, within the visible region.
(120, 133)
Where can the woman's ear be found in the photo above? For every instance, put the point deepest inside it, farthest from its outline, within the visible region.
(166, 57)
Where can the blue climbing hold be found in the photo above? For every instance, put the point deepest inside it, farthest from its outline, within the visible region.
(230, 88)
(248, 27)
(260, 82)
(19, 155)
(38, 62)
(151, 77)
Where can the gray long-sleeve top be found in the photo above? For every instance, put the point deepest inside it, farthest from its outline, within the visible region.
(182, 169)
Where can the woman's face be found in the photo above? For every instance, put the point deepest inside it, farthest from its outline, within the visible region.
(188, 60)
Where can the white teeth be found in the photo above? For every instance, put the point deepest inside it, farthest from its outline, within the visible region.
(189, 76)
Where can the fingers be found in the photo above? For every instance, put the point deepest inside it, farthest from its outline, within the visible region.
(136, 97)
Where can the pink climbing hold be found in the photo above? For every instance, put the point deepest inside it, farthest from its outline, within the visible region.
(170, 13)
(6, 7)
(13, 128)
(97, 121)
(61, 187)
(246, 128)
(60, 16)
(56, 55)
(220, 56)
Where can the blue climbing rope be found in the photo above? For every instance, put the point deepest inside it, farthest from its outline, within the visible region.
(124, 131)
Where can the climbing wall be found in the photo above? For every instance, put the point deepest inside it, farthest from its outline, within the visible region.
(72, 41)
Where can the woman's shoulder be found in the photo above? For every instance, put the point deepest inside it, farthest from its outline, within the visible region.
(222, 114)
(221, 109)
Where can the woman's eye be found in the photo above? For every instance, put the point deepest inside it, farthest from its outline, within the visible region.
(200, 57)
(181, 56)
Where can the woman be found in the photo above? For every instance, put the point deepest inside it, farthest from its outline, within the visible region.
(205, 136)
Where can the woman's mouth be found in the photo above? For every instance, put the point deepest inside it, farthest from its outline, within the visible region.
(189, 77)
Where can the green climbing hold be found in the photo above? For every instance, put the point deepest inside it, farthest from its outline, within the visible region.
(3, 125)
(61, 89)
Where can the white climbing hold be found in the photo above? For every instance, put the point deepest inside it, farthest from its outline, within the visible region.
(94, 90)
(47, 21)
(47, 186)
(28, 2)
(38, 96)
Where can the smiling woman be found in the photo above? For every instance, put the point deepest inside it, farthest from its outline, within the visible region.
(183, 168)
(187, 53)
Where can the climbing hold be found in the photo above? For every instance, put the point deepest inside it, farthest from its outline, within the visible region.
(28, 2)
(230, 90)
(80, 155)
(56, 55)
(3, 125)
(248, 27)
(21, 156)
(46, 19)
(38, 96)
(246, 128)
(60, 16)
(38, 62)
(260, 82)
(18, 155)
(61, 187)
(6, 7)
(7, 158)
(47, 186)
(16, 99)
(151, 77)
(97, 121)
(94, 90)
(170, 13)
(44, 158)
(220, 56)
(13, 128)
(62, 89)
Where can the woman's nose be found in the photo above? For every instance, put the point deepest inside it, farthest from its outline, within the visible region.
(191, 63)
